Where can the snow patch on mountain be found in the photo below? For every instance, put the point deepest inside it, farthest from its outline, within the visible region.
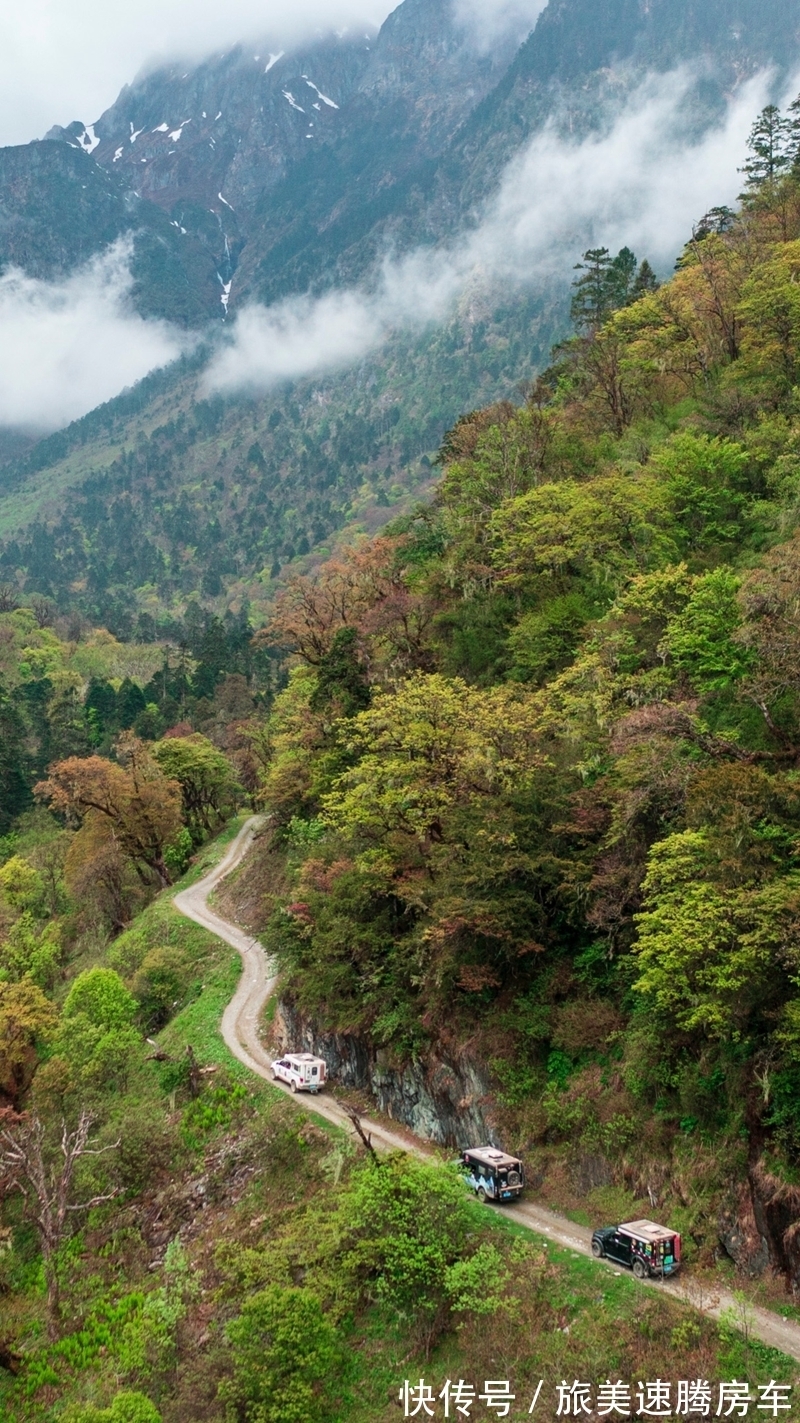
(88, 140)
(319, 94)
(638, 184)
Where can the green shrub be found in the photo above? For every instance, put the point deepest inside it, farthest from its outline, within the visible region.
(160, 985)
(286, 1359)
(126, 1408)
(101, 996)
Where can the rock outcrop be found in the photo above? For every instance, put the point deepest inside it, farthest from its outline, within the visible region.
(442, 1099)
(776, 1210)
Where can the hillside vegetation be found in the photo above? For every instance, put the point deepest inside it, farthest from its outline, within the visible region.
(536, 764)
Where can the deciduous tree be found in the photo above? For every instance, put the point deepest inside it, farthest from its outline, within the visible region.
(206, 778)
(426, 747)
(28, 1022)
(131, 802)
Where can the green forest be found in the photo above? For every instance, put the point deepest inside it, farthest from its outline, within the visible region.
(530, 762)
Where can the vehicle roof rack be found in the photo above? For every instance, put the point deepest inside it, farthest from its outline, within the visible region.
(491, 1156)
(646, 1230)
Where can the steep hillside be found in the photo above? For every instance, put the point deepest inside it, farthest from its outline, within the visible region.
(297, 169)
(532, 783)
(251, 152)
(582, 57)
(59, 208)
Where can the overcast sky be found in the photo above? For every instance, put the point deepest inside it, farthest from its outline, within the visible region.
(67, 59)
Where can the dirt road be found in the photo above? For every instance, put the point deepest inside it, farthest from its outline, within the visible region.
(240, 1024)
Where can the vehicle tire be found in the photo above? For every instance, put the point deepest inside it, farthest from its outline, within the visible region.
(597, 1250)
(639, 1270)
(482, 1196)
(293, 1086)
(275, 1077)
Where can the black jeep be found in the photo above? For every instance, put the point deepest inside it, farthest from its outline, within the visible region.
(648, 1249)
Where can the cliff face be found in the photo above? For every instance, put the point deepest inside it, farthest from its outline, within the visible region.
(260, 154)
(448, 1101)
(444, 1100)
(232, 125)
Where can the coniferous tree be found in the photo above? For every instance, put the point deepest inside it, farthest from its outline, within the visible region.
(793, 139)
(607, 284)
(15, 793)
(589, 306)
(716, 221)
(130, 701)
(100, 709)
(644, 281)
(620, 279)
(342, 678)
(769, 145)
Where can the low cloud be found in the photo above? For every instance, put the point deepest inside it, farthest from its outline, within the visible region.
(304, 336)
(68, 346)
(639, 184)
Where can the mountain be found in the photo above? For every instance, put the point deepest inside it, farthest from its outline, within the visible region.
(261, 156)
(259, 174)
(296, 170)
(163, 494)
(58, 208)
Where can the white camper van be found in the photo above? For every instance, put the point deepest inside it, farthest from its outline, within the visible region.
(301, 1071)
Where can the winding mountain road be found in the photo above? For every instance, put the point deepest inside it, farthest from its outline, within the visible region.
(240, 1030)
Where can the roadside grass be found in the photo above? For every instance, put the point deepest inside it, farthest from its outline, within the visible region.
(591, 1285)
(198, 1024)
(210, 854)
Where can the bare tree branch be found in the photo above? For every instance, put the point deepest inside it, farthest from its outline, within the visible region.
(47, 1186)
(365, 1137)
